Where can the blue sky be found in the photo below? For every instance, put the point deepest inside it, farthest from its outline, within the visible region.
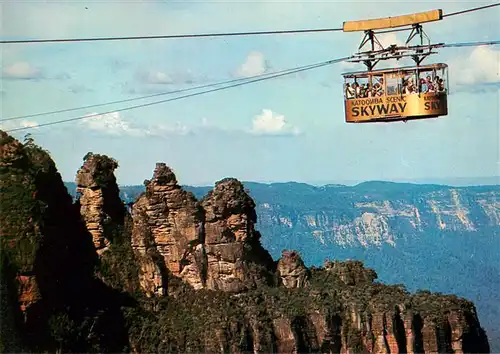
(284, 129)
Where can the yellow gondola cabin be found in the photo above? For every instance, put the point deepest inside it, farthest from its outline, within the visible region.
(396, 94)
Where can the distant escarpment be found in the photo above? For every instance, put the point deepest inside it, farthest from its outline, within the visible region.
(172, 273)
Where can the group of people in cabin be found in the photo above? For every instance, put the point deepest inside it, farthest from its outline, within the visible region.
(366, 90)
(427, 85)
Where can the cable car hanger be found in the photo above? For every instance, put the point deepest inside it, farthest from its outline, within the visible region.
(395, 94)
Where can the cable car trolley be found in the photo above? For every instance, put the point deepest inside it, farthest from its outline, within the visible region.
(399, 93)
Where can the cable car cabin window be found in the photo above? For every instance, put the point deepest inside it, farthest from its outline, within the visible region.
(377, 88)
(409, 83)
(355, 87)
(364, 86)
(392, 84)
(361, 87)
(433, 80)
(349, 89)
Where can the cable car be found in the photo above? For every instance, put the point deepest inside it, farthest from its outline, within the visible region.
(406, 93)
(399, 93)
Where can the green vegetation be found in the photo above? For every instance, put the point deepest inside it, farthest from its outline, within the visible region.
(195, 320)
(21, 210)
(118, 266)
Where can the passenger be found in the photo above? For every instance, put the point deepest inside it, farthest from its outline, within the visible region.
(349, 92)
(379, 90)
(441, 85)
(404, 85)
(430, 85)
(408, 87)
(423, 86)
(357, 90)
(369, 90)
(363, 91)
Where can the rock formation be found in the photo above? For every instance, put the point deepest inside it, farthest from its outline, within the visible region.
(230, 240)
(351, 272)
(100, 203)
(328, 316)
(209, 244)
(291, 270)
(167, 234)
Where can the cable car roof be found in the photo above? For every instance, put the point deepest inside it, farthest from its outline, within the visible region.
(393, 22)
(395, 70)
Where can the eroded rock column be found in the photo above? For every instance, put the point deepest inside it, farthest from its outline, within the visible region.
(100, 203)
(168, 234)
(291, 270)
(231, 241)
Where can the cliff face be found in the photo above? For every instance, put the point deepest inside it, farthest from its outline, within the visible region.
(39, 225)
(47, 259)
(232, 244)
(320, 222)
(209, 284)
(329, 315)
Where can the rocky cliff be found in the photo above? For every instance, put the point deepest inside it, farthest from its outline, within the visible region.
(198, 275)
(209, 244)
(51, 299)
(328, 315)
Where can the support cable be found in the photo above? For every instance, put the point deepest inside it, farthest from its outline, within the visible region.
(200, 35)
(329, 62)
(157, 94)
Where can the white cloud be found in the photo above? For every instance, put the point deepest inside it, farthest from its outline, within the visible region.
(161, 130)
(255, 64)
(62, 76)
(481, 67)
(387, 39)
(29, 123)
(21, 70)
(110, 123)
(15, 124)
(270, 123)
(350, 66)
(113, 124)
(154, 77)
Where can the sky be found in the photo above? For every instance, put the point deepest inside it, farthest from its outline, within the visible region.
(290, 128)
